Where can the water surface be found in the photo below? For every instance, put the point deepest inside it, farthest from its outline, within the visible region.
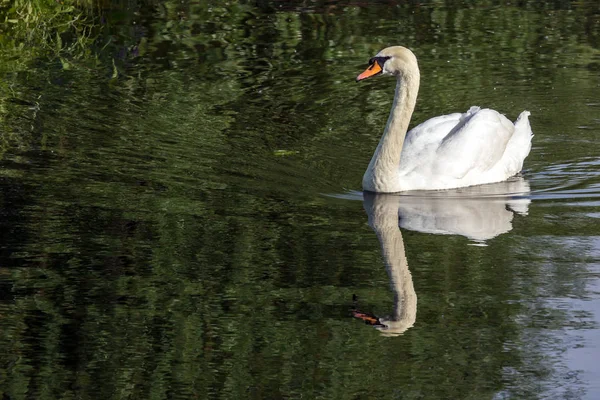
(181, 215)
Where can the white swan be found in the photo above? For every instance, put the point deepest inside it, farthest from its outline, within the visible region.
(449, 151)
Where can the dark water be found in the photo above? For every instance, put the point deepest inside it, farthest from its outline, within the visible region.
(181, 215)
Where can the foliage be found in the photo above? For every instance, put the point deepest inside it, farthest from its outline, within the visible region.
(45, 28)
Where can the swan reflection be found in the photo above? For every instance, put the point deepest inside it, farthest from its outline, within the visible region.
(479, 213)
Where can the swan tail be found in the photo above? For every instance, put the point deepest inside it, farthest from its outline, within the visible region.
(523, 122)
(519, 145)
(523, 132)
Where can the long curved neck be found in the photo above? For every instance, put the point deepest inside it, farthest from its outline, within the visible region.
(386, 159)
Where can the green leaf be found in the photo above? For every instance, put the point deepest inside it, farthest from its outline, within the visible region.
(65, 64)
(115, 74)
(283, 153)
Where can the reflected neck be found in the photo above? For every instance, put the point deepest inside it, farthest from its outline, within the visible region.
(383, 219)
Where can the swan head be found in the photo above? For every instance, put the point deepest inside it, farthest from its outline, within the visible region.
(396, 60)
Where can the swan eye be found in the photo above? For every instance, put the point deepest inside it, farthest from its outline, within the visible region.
(378, 60)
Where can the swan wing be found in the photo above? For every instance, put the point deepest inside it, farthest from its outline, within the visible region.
(456, 147)
(423, 140)
(474, 146)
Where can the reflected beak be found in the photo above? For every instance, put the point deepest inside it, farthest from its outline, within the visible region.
(373, 70)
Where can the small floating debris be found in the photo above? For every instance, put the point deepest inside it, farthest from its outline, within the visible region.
(478, 243)
(284, 153)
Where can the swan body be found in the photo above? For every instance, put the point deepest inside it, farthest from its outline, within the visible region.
(450, 151)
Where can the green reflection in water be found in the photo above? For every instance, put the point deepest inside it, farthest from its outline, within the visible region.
(163, 229)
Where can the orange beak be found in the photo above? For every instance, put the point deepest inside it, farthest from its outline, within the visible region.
(373, 70)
